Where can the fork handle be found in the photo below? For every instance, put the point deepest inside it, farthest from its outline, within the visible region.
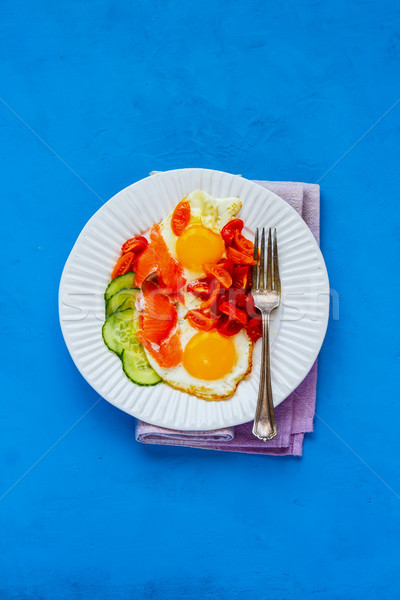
(264, 422)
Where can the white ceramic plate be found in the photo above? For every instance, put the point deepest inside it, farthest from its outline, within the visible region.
(298, 326)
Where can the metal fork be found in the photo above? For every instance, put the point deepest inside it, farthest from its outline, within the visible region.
(266, 291)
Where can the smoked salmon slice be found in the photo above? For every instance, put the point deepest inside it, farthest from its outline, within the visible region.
(170, 270)
(155, 330)
(169, 354)
(159, 316)
(157, 323)
(145, 265)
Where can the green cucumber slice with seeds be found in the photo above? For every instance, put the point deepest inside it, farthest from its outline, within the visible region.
(118, 330)
(119, 283)
(136, 366)
(119, 335)
(122, 300)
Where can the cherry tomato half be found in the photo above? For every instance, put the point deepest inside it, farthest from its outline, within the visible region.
(240, 299)
(239, 258)
(226, 264)
(228, 231)
(124, 264)
(199, 320)
(241, 277)
(219, 273)
(200, 288)
(251, 309)
(243, 244)
(227, 326)
(215, 287)
(180, 217)
(136, 244)
(234, 296)
(229, 309)
(254, 329)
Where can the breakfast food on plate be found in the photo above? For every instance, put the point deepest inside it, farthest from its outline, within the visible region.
(178, 307)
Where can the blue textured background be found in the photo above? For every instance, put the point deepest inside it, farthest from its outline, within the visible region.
(274, 90)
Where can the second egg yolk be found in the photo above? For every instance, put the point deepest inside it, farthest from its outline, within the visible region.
(197, 246)
(208, 355)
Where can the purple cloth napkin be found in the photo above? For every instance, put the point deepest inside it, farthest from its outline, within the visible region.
(294, 416)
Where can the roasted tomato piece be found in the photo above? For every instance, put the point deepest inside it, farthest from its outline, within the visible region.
(239, 258)
(251, 309)
(241, 277)
(217, 301)
(233, 312)
(219, 273)
(199, 320)
(254, 328)
(136, 244)
(180, 217)
(223, 296)
(200, 288)
(228, 231)
(226, 264)
(240, 299)
(124, 265)
(227, 326)
(243, 244)
(215, 287)
(236, 297)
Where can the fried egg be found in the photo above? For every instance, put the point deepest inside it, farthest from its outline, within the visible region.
(201, 242)
(212, 364)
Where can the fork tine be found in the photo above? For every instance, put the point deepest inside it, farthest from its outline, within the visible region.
(255, 269)
(277, 279)
(261, 267)
(269, 261)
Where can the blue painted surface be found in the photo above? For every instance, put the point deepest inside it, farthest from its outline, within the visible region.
(274, 90)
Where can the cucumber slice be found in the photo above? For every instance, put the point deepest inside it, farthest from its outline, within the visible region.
(136, 366)
(120, 327)
(118, 330)
(119, 335)
(121, 300)
(119, 283)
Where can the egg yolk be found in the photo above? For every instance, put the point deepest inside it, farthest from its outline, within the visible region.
(199, 245)
(209, 355)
